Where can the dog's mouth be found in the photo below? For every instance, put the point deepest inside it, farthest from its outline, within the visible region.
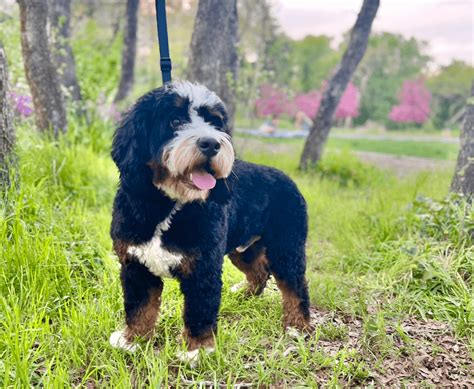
(202, 180)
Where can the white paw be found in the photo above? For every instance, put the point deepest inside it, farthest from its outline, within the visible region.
(118, 340)
(192, 357)
(293, 332)
(238, 287)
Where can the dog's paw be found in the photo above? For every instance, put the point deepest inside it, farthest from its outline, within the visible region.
(118, 340)
(238, 287)
(293, 332)
(192, 357)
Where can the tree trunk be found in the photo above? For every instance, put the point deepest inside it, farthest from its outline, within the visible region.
(7, 133)
(60, 17)
(41, 74)
(128, 51)
(463, 180)
(318, 135)
(214, 59)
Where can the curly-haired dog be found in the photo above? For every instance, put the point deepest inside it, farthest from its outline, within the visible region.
(184, 202)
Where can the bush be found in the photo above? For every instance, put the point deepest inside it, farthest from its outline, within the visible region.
(450, 220)
(345, 168)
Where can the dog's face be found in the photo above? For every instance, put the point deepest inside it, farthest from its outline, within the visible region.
(179, 132)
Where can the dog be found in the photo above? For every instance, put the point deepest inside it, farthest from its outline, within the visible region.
(185, 201)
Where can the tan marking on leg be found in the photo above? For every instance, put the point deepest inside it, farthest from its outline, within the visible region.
(293, 315)
(256, 271)
(205, 340)
(120, 248)
(186, 266)
(143, 322)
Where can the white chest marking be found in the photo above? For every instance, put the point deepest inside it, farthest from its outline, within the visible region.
(151, 254)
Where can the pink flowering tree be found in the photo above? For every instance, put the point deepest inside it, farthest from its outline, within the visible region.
(308, 103)
(272, 102)
(348, 106)
(414, 103)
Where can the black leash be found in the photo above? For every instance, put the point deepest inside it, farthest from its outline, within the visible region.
(165, 60)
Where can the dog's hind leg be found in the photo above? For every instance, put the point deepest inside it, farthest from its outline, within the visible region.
(254, 264)
(288, 268)
(142, 299)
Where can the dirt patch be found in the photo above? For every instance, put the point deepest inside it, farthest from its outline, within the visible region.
(420, 353)
(403, 165)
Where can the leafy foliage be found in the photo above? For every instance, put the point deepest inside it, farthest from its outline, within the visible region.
(312, 59)
(450, 88)
(450, 219)
(346, 169)
(390, 59)
(97, 63)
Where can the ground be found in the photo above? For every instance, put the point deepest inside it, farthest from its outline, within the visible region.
(390, 264)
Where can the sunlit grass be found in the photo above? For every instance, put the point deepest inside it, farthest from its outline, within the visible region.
(370, 253)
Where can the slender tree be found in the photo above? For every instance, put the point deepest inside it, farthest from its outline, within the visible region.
(60, 18)
(214, 61)
(40, 71)
(463, 180)
(7, 133)
(318, 135)
(128, 51)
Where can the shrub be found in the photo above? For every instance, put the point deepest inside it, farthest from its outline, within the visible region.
(345, 168)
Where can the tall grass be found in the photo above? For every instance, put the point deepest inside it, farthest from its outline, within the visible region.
(375, 245)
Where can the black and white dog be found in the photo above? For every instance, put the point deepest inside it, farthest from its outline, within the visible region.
(184, 202)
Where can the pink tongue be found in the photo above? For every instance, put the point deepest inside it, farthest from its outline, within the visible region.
(203, 181)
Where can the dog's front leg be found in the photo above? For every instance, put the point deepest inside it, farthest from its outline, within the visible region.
(142, 299)
(202, 296)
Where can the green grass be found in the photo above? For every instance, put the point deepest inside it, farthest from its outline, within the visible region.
(434, 150)
(425, 149)
(376, 250)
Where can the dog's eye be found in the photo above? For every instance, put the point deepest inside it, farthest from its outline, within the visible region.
(175, 123)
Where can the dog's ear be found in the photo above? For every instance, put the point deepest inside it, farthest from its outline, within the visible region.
(129, 150)
(221, 192)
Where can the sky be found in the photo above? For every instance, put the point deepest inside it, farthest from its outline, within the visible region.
(447, 25)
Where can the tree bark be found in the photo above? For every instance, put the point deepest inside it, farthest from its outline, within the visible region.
(319, 132)
(128, 51)
(463, 180)
(214, 60)
(7, 133)
(60, 17)
(50, 113)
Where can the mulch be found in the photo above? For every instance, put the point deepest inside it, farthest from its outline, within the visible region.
(424, 353)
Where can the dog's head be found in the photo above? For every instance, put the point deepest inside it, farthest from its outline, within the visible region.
(175, 138)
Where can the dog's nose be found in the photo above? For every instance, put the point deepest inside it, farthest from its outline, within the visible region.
(208, 146)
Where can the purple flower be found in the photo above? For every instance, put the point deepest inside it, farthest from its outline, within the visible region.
(22, 104)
